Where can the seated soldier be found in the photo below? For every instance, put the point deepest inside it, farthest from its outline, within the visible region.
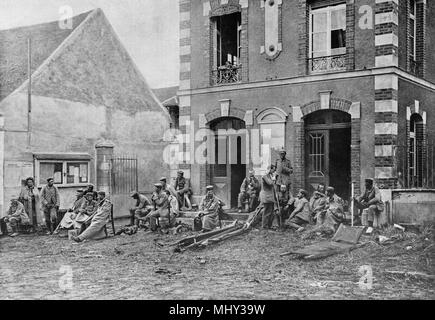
(160, 203)
(15, 215)
(141, 209)
(167, 221)
(249, 192)
(286, 202)
(301, 214)
(183, 191)
(86, 211)
(98, 220)
(333, 214)
(210, 208)
(318, 201)
(67, 221)
(370, 202)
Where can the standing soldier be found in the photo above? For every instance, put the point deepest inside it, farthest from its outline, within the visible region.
(284, 170)
(29, 197)
(50, 204)
(267, 196)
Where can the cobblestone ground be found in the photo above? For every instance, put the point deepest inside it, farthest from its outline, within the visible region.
(246, 267)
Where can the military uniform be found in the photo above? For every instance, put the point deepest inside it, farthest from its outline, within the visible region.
(15, 215)
(249, 191)
(98, 221)
(268, 200)
(284, 169)
(211, 206)
(161, 205)
(182, 187)
(333, 214)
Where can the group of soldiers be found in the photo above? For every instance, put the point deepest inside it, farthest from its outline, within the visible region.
(279, 208)
(164, 206)
(89, 213)
(272, 195)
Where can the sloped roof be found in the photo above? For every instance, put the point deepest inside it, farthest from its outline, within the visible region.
(167, 96)
(87, 64)
(45, 38)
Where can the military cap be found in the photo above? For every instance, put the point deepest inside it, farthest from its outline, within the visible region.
(158, 185)
(89, 193)
(330, 189)
(163, 179)
(180, 171)
(209, 187)
(282, 150)
(133, 193)
(303, 192)
(51, 178)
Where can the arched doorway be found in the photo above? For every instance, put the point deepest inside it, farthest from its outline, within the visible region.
(327, 150)
(228, 164)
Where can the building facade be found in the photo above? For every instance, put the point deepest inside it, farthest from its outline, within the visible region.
(87, 102)
(346, 87)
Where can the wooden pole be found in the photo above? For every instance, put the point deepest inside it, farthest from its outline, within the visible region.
(29, 89)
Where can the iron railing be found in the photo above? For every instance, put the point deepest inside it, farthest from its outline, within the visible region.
(327, 63)
(226, 74)
(414, 166)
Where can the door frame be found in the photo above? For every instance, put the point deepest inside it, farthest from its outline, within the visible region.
(323, 128)
(228, 141)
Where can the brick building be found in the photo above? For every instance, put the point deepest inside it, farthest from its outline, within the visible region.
(341, 84)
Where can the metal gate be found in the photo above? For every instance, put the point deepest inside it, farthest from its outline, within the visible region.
(123, 175)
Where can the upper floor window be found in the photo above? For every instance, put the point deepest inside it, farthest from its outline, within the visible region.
(412, 29)
(328, 38)
(226, 48)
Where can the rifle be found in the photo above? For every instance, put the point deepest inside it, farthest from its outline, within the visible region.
(275, 197)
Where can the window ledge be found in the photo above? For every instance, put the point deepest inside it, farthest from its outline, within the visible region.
(62, 156)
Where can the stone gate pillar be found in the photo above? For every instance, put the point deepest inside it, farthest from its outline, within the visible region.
(104, 154)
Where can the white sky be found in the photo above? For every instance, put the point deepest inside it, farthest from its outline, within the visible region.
(147, 28)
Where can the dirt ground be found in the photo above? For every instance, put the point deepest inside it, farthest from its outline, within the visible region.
(246, 267)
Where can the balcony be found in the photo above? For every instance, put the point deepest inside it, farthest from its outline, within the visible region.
(226, 74)
(327, 64)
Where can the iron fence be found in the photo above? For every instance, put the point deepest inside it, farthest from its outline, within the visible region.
(124, 175)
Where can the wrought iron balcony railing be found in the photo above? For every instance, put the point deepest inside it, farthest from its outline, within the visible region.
(226, 74)
(327, 63)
